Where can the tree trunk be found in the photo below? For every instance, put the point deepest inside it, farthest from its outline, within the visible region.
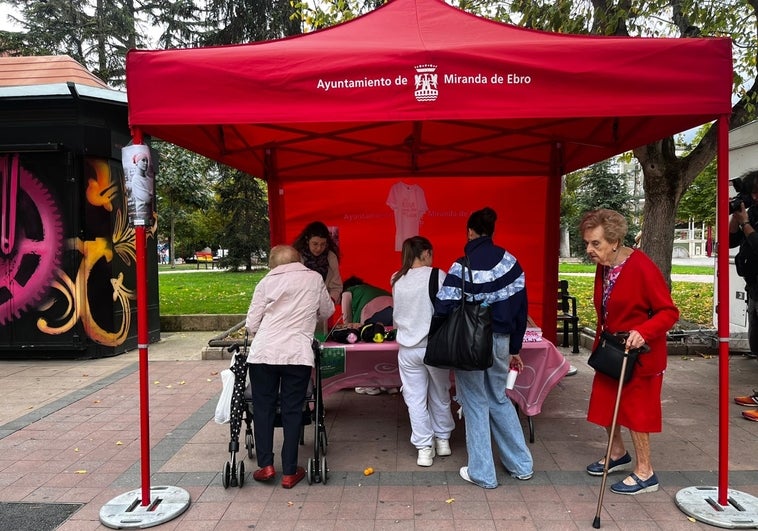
(564, 250)
(662, 181)
(171, 256)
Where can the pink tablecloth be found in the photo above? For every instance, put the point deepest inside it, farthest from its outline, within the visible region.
(375, 365)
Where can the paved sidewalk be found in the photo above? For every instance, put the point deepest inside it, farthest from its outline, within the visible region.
(70, 433)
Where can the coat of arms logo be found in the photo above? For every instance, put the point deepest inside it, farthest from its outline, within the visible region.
(426, 83)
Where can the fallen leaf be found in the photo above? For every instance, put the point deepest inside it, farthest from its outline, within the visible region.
(76, 449)
(80, 472)
(156, 382)
(119, 443)
(290, 504)
(450, 500)
(368, 471)
(98, 401)
(214, 373)
(85, 375)
(182, 382)
(169, 386)
(208, 380)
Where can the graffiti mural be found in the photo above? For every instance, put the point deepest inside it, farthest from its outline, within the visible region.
(68, 264)
(32, 239)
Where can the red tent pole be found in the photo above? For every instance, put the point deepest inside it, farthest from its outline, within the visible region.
(723, 303)
(552, 242)
(145, 507)
(142, 342)
(143, 339)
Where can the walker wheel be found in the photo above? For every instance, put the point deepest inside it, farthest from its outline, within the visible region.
(324, 471)
(309, 471)
(226, 474)
(322, 441)
(241, 473)
(249, 445)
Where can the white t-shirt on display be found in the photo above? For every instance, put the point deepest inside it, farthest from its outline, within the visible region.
(409, 203)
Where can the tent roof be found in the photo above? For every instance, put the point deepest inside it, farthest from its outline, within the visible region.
(414, 91)
(420, 88)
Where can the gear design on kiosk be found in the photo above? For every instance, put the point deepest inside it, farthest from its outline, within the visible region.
(32, 255)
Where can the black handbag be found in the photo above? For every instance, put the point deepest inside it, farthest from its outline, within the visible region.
(608, 357)
(463, 339)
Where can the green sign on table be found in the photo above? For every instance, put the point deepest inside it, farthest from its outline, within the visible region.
(332, 361)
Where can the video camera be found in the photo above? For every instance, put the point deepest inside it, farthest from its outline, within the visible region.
(743, 196)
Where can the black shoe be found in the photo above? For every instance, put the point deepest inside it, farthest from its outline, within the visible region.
(615, 465)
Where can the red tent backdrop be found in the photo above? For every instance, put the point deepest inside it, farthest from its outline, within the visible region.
(422, 92)
(367, 227)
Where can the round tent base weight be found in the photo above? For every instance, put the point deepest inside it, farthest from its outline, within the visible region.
(701, 503)
(127, 512)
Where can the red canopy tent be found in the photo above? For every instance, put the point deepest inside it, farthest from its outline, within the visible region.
(420, 92)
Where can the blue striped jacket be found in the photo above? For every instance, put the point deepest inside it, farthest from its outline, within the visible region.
(495, 277)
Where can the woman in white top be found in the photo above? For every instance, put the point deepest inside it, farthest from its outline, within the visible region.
(426, 389)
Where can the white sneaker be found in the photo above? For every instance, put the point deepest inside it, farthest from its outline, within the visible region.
(425, 456)
(464, 474)
(443, 447)
(373, 391)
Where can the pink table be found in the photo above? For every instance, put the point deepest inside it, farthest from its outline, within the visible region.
(375, 365)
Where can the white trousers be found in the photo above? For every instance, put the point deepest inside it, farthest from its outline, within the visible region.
(426, 391)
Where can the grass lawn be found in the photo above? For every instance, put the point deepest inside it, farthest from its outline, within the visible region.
(695, 301)
(211, 292)
(221, 292)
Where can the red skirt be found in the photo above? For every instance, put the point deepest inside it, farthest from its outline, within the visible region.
(639, 407)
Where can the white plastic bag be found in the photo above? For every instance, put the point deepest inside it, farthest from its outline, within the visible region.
(224, 406)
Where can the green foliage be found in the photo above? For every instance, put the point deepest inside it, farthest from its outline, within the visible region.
(320, 15)
(97, 36)
(240, 21)
(196, 231)
(181, 21)
(599, 186)
(243, 209)
(184, 179)
(183, 189)
(699, 202)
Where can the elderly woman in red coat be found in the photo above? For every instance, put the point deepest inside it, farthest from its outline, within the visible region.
(630, 296)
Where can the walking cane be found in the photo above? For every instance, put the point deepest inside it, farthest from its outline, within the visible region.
(596, 521)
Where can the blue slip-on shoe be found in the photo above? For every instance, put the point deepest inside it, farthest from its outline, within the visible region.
(649, 485)
(616, 465)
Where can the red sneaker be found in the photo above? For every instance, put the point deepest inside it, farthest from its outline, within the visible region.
(264, 474)
(751, 415)
(747, 401)
(290, 480)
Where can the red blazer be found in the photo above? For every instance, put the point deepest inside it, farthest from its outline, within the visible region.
(640, 301)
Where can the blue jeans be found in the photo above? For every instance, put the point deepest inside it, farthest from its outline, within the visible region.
(491, 416)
